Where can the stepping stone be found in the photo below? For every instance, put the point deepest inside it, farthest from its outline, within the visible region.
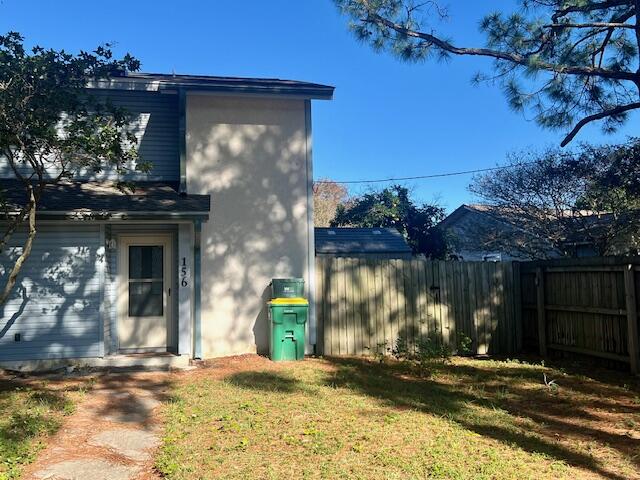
(135, 410)
(133, 444)
(87, 469)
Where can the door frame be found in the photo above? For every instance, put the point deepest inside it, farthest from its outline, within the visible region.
(144, 239)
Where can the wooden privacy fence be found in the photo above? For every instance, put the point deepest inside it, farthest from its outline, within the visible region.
(363, 306)
(587, 307)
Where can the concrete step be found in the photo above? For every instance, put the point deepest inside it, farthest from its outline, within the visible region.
(146, 361)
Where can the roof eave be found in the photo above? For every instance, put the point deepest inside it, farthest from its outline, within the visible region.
(158, 85)
(107, 215)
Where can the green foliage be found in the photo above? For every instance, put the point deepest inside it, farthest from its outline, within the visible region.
(27, 416)
(52, 127)
(393, 207)
(563, 60)
(427, 349)
(615, 185)
(381, 351)
(464, 344)
(50, 124)
(432, 348)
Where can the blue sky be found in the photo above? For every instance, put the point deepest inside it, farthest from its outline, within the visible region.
(388, 119)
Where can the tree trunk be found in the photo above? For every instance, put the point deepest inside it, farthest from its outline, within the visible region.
(26, 250)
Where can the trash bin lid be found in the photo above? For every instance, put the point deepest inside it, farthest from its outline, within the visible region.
(289, 301)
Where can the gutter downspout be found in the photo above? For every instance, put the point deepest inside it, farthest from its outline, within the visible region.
(182, 139)
(197, 284)
(311, 245)
(197, 294)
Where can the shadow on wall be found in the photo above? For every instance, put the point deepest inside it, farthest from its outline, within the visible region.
(261, 324)
(55, 304)
(250, 156)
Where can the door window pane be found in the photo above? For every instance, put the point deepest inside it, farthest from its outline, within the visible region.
(145, 299)
(145, 262)
(146, 282)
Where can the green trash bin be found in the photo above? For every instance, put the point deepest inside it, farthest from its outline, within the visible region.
(287, 288)
(287, 321)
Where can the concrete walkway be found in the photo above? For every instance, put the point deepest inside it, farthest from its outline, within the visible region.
(112, 434)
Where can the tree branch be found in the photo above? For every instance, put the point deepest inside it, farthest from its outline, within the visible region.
(26, 249)
(598, 116)
(519, 59)
(590, 25)
(589, 7)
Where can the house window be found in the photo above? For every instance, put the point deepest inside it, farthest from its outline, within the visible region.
(146, 281)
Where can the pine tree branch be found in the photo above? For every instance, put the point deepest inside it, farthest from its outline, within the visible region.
(523, 60)
(589, 7)
(598, 116)
(590, 25)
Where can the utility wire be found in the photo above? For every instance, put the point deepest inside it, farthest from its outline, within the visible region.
(422, 177)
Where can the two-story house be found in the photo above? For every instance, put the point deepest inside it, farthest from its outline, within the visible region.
(182, 266)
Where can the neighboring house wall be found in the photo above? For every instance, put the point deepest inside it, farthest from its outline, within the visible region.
(155, 124)
(250, 155)
(475, 236)
(55, 306)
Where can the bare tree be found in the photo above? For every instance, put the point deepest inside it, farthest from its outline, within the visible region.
(562, 198)
(327, 195)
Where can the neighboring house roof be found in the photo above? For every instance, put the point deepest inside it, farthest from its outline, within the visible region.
(488, 210)
(105, 198)
(480, 230)
(360, 240)
(587, 223)
(240, 85)
(477, 228)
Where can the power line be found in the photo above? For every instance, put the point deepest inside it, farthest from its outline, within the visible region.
(422, 177)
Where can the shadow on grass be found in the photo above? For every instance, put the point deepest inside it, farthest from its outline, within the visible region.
(503, 391)
(26, 412)
(395, 386)
(265, 381)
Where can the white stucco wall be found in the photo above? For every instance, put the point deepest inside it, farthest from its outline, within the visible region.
(249, 154)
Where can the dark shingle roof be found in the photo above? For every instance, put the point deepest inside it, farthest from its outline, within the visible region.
(236, 84)
(360, 240)
(102, 197)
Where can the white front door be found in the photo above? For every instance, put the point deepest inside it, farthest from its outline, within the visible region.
(144, 292)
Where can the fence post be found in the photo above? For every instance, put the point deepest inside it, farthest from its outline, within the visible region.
(516, 298)
(632, 316)
(542, 317)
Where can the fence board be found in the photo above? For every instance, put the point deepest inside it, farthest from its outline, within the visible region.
(586, 307)
(364, 305)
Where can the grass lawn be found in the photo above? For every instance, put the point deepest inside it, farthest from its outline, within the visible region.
(30, 411)
(351, 418)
